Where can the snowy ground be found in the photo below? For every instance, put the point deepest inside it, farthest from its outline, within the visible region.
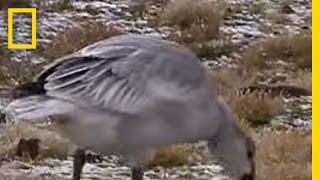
(244, 25)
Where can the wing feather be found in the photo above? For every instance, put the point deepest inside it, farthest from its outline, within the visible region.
(123, 75)
(99, 82)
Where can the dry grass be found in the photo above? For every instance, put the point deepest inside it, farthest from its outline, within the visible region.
(255, 109)
(61, 5)
(14, 4)
(170, 156)
(229, 80)
(283, 155)
(301, 79)
(13, 72)
(51, 144)
(296, 49)
(197, 26)
(198, 20)
(75, 38)
(213, 49)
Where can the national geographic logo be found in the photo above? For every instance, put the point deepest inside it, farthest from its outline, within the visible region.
(33, 12)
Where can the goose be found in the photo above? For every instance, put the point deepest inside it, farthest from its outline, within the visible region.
(130, 94)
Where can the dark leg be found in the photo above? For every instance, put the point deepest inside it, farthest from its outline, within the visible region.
(137, 173)
(79, 159)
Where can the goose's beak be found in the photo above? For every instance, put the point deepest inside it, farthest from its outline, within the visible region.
(248, 177)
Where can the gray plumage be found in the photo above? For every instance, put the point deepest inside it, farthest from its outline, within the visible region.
(129, 94)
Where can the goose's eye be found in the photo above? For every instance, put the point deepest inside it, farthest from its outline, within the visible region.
(250, 154)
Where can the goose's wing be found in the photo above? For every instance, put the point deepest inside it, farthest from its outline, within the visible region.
(121, 77)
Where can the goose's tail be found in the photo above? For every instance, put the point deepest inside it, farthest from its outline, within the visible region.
(30, 103)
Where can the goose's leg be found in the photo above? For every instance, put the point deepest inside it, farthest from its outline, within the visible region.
(138, 160)
(79, 159)
(137, 173)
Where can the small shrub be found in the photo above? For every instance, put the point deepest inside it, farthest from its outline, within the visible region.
(227, 81)
(198, 20)
(296, 49)
(283, 155)
(14, 72)
(61, 5)
(75, 38)
(170, 156)
(256, 109)
(51, 144)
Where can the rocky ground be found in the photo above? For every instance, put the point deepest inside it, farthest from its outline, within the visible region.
(246, 22)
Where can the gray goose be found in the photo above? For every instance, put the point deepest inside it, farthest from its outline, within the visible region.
(128, 95)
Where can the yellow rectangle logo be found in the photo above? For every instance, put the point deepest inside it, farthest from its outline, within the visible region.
(33, 12)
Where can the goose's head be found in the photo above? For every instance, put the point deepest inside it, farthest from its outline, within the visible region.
(236, 155)
(232, 148)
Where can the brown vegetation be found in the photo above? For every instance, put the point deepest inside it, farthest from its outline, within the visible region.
(75, 38)
(4, 4)
(198, 20)
(51, 144)
(214, 48)
(13, 72)
(283, 155)
(296, 49)
(255, 109)
(170, 156)
(60, 5)
(275, 90)
(302, 79)
(197, 25)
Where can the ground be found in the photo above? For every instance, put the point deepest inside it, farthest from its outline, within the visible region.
(243, 44)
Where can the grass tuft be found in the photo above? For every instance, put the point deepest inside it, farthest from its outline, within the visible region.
(75, 38)
(256, 109)
(213, 49)
(171, 156)
(61, 5)
(198, 20)
(51, 144)
(296, 49)
(283, 155)
(13, 72)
